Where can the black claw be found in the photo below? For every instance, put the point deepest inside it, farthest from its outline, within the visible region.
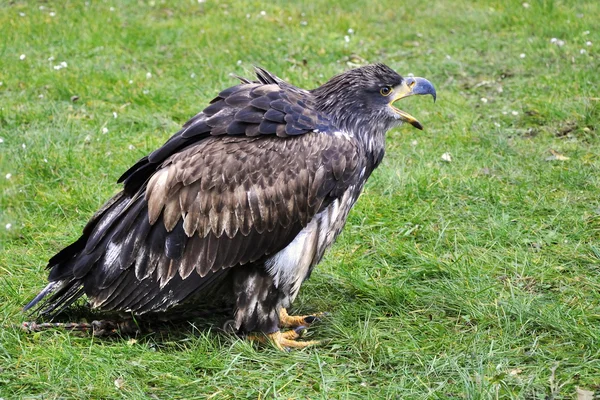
(300, 329)
(311, 319)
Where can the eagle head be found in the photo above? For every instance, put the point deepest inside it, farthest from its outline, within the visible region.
(365, 97)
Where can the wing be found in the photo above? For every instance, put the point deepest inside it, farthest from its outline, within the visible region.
(221, 203)
(268, 106)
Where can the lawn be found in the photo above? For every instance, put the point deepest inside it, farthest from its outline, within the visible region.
(469, 268)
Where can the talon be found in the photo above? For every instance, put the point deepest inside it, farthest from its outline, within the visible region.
(293, 334)
(284, 341)
(300, 329)
(293, 321)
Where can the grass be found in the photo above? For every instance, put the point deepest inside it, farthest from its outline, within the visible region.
(471, 279)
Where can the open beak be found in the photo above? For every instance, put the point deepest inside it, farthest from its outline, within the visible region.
(411, 86)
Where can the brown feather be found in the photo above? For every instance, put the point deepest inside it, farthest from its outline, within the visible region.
(156, 194)
(172, 213)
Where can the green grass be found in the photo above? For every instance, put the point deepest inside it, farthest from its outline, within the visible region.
(472, 279)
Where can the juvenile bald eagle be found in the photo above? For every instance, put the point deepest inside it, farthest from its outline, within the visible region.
(240, 204)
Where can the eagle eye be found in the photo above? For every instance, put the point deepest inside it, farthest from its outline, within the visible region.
(385, 91)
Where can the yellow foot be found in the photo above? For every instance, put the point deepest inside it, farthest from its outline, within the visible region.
(284, 340)
(295, 321)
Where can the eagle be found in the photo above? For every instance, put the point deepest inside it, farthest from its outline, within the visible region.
(238, 206)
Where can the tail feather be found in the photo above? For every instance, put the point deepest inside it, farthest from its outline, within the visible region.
(60, 302)
(47, 290)
(62, 295)
(68, 265)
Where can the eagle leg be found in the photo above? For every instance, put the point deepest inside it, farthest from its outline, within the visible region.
(284, 340)
(294, 321)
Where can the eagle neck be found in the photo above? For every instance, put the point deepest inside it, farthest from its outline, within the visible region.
(372, 142)
(354, 119)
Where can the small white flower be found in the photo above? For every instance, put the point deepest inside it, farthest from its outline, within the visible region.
(504, 112)
(289, 18)
(8, 176)
(41, 96)
(526, 5)
(114, 114)
(52, 13)
(42, 8)
(515, 113)
(24, 146)
(247, 15)
(239, 62)
(22, 14)
(87, 139)
(303, 23)
(112, 9)
(448, 57)
(22, 57)
(497, 125)
(1, 83)
(350, 31)
(8, 226)
(145, 91)
(582, 51)
(1, 140)
(51, 58)
(447, 157)
(45, 160)
(522, 55)
(500, 90)
(586, 33)
(347, 39)
(148, 75)
(63, 64)
(119, 383)
(57, 67)
(104, 130)
(131, 147)
(484, 100)
(130, 81)
(414, 143)
(588, 43)
(553, 40)
(201, 1)
(192, 75)
(263, 13)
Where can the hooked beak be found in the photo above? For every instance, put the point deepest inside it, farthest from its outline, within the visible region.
(411, 86)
